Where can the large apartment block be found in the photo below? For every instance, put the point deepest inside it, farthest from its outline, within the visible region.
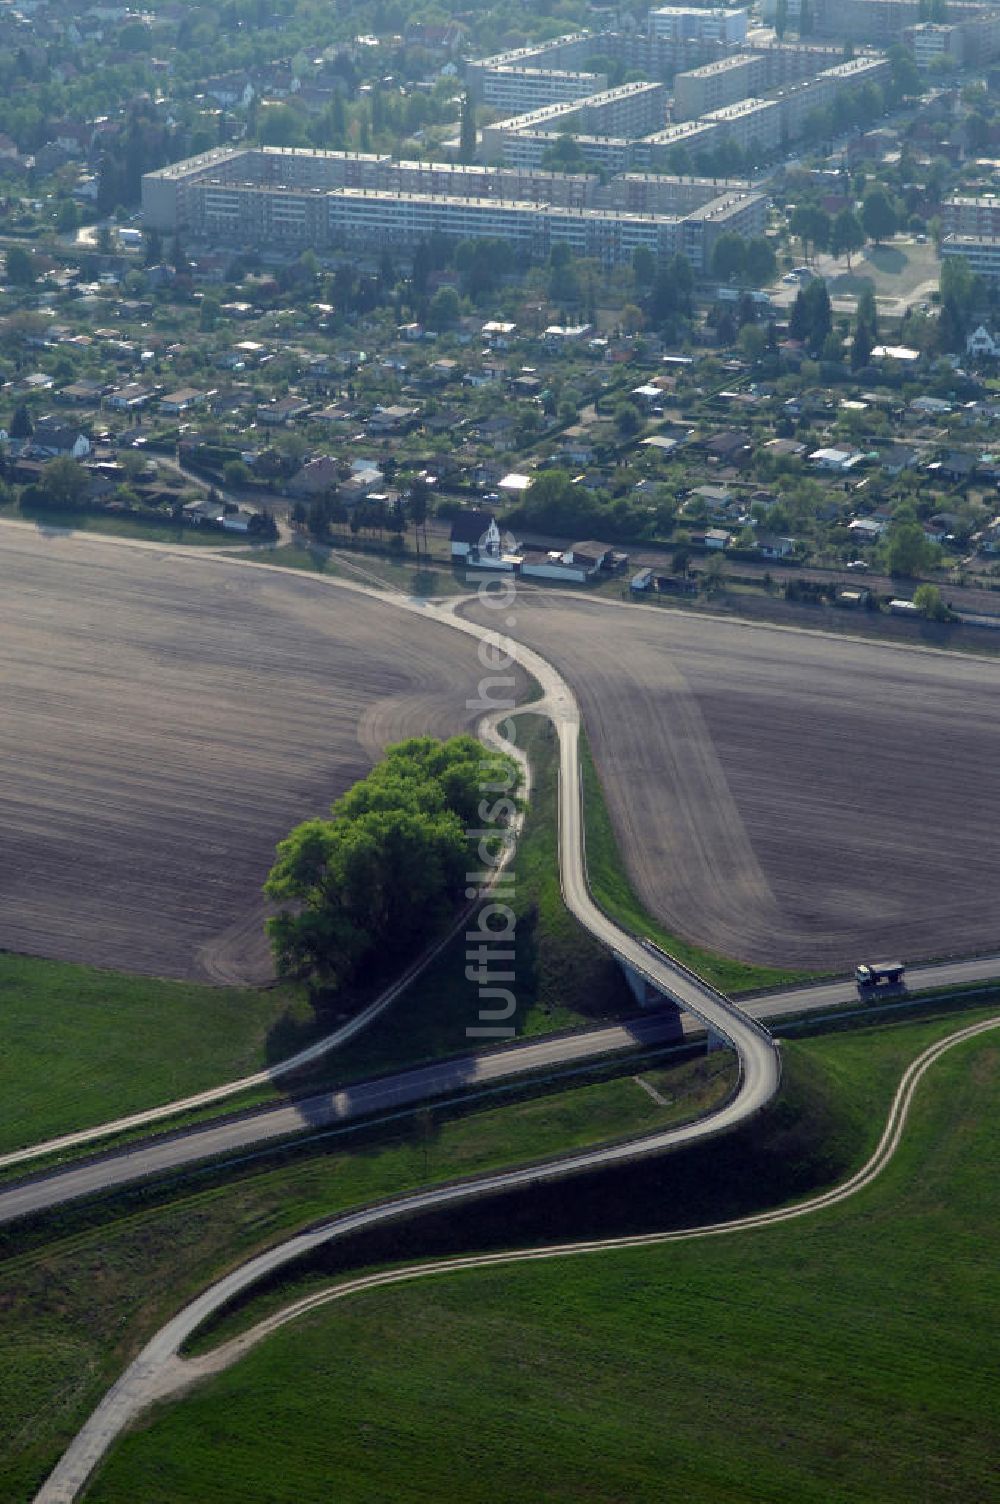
(674, 23)
(967, 42)
(521, 89)
(982, 252)
(526, 150)
(978, 217)
(363, 219)
(745, 74)
(565, 53)
(630, 110)
(715, 85)
(288, 200)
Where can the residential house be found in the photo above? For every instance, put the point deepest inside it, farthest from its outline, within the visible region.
(316, 477)
(957, 467)
(181, 401)
(498, 432)
(575, 445)
(576, 564)
(660, 444)
(284, 410)
(770, 547)
(840, 460)
(785, 449)
(729, 448)
(897, 458)
(359, 485)
(649, 397)
(82, 393)
(931, 407)
(392, 420)
(940, 527)
(440, 372)
(716, 498)
(866, 529)
(239, 520)
(484, 376)
(559, 336)
(498, 333)
(128, 398)
(204, 512)
(53, 439)
(717, 538)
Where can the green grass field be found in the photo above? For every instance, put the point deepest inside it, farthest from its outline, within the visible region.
(610, 885)
(846, 1357)
(81, 1046)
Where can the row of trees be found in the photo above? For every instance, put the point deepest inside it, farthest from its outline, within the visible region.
(846, 232)
(365, 889)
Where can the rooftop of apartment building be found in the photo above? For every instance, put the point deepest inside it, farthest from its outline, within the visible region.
(530, 206)
(503, 59)
(546, 112)
(721, 65)
(737, 111)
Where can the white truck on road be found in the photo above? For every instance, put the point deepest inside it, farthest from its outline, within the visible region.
(872, 974)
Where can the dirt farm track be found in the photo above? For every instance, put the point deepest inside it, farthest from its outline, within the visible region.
(785, 797)
(165, 721)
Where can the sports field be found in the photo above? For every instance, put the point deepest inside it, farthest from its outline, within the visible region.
(784, 797)
(166, 721)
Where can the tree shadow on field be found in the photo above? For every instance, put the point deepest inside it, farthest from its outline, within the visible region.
(889, 259)
(852, 283)
(425, 581)
(293, 1031)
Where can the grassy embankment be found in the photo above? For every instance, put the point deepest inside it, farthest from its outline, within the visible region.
(610, 885)
(843, 1357)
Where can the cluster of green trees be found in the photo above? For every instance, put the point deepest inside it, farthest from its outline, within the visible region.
(811, 319)
(553, 504)
(965, 302)
(906, 551)
(734, 258)
(366, 889)
(865, 330)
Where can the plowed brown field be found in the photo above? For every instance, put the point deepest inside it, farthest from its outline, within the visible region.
(786, 798)
(165, 722)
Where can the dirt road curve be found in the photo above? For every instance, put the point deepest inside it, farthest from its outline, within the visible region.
(784, 797)
(165, 722)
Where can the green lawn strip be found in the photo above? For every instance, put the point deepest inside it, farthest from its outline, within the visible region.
(426, 577)
(72, 1311)
(843, 1358)
(612, 888)
(119, 526)
(81, 1045)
